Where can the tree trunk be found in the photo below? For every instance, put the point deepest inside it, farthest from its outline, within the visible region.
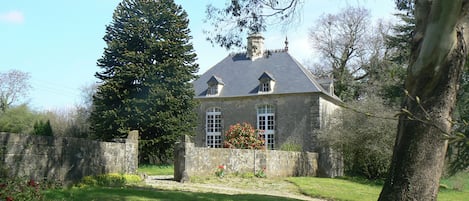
(437, 59)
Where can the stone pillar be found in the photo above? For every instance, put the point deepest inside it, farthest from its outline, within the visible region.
(131, 152)
(180, 159)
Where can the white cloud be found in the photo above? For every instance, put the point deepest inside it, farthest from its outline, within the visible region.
(14, 17)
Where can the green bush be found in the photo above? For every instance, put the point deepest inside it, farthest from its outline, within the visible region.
(110, 180)
(42, 128)
(290, 146)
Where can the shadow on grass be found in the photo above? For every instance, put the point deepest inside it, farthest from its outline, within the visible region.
(127, 194)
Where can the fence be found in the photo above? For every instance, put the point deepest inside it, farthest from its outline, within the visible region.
(65, 158)
(200, 161)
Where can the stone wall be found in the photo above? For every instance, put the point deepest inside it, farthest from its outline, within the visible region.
(65, 158)
(200, 161)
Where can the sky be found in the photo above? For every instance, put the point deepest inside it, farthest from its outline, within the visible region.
(59, 41)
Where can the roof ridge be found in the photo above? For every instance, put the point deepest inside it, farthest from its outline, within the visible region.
(266, 52)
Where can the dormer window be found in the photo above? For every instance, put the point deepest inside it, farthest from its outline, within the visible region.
(212, 90)
(215, 85)
(265, 87)
(266, 83)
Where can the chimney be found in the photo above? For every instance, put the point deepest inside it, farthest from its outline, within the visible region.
(255, 47)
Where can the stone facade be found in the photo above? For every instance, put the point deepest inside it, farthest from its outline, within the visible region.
(64, 158)
(199, 161)
(297, 116)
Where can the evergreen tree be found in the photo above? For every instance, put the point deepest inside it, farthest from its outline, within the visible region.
(146, 69)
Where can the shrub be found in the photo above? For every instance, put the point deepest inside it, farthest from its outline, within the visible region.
(110, 180)
(291, 146)
(364, 140)
(243, 136)
(21, 188)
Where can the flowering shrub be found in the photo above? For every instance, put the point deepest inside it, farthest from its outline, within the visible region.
(220, 171)
(243, 136)
(24, 189)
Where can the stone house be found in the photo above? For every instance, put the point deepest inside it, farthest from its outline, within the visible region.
(270, 90)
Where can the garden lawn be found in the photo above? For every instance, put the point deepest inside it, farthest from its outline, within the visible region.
(136, 194)
(341, 189)
(156, 169)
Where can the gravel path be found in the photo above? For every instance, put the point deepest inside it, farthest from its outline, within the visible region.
(231, 186)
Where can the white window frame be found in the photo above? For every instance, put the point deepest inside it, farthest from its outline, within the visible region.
(265, 86)
(266, 123)
(212, 90)
(213, 128)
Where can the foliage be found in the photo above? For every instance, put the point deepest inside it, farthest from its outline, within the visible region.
(25, 189)
(42, 128)
(291, 146)
(230, 24)
(18, 119)
(243, 136)
(260, 173)
(369, 139)
(145, 72)
(14, 85)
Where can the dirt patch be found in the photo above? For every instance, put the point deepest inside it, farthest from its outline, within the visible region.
(231, 185)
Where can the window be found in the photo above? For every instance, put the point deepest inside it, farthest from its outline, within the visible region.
(215, 85)
(266, 83)
(213, 128)
(266, 123)
(265, 86)
(212, 90)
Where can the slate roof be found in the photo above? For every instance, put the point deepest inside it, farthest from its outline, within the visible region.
(241, 76)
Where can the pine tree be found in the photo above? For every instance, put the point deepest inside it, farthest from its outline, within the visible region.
(146, 67)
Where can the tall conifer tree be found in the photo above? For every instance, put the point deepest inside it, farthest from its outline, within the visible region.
(145, 72)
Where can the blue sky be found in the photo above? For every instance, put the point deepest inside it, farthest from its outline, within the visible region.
(58, 41)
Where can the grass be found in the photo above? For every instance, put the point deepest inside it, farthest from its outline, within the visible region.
(156, 169)
(123, 194)
(452, 189)
(345, 189)
(337, 189)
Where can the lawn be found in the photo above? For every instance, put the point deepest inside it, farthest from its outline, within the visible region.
(156, 169)
(344, 189)
(452, 189)
(123, 194)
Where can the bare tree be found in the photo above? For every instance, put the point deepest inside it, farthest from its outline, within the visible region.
(14, 85)
(353, 51)
(340, 39)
